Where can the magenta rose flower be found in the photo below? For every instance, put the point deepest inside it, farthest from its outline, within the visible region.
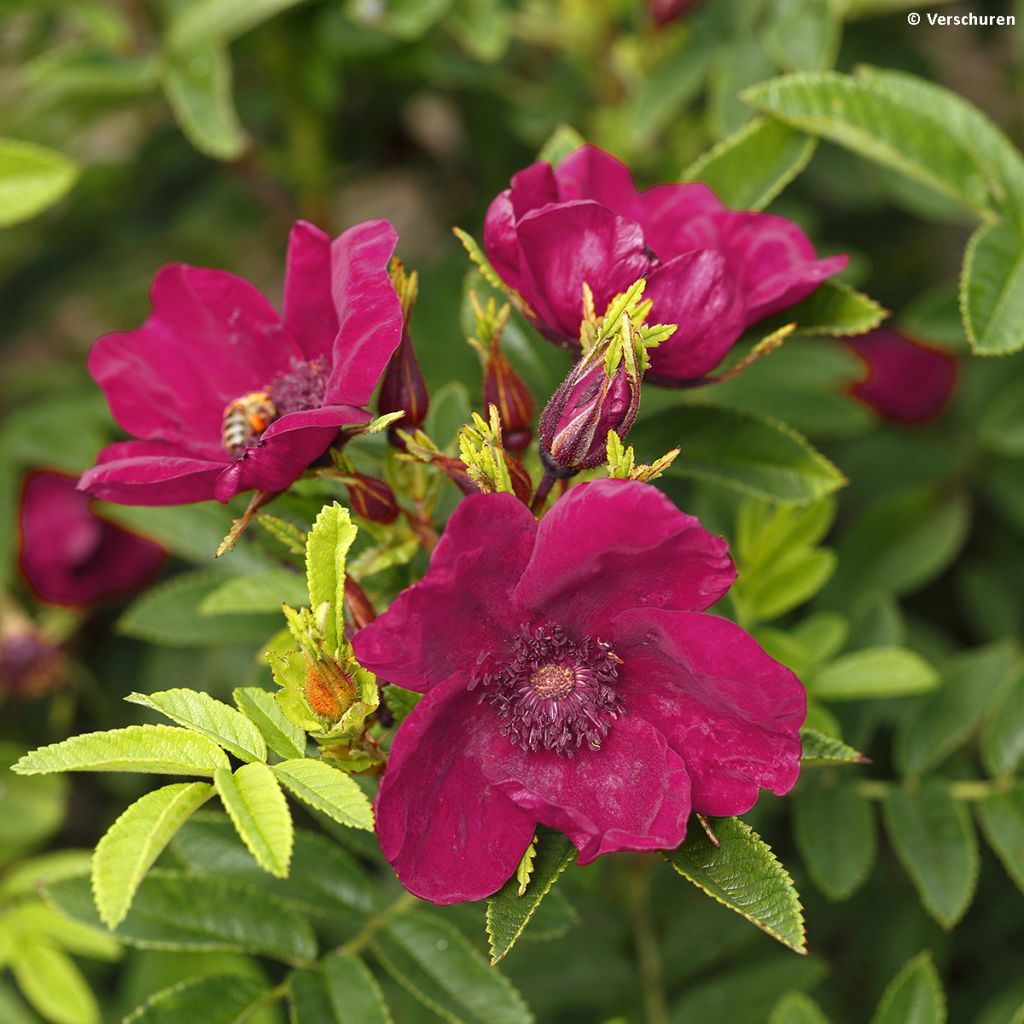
(571, 679)
(69, 555)
(223, 394)
(711, 270)
(906, 381)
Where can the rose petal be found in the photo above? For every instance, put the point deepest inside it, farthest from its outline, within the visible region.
(665, 211)
(150, 473)
(697, 292)
(309, 313)
(211, 338)
(462, 610)
(448, 833)
(612, 545)
(532, 188)
(591, 173)
(566, 245)
(632, 794)
(731, 711)
(501, 243)
(369, 311)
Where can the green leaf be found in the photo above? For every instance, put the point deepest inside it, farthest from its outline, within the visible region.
(874, 672)
(215, 999)
(36, 921)
(154, 749)
(264, 592)
(32, 178)
(951, 715)
(752, 166)
(132, 844)
(562, 142)
(750, 454)
(992, 290)
(52, 983)
(342, 992)
(28, 876)
(508, 911)
(436, 963)
(803, 35)
(31, 809)
(1002, 739)
(835, 831)
(1002, 820)
(205, 714)
(198, 87)
(328, 790)
(795, 577)
(1002, 423)
(935, 841)
(169, 614)
(400, 702)
(174, 910)
(744, 875)
(876, 121)
(283, 737)
(202, 21)
(797, 1008)
(821, 749)
(835, 309)
(257, 807)
(914, 996)
(326, 548)
(324, 880)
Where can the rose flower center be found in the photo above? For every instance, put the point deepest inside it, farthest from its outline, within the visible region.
(554, 692)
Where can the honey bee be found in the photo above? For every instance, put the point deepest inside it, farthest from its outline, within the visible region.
(246, 418)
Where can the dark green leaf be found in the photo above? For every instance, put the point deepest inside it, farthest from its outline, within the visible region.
(797, 1008)
(1002, 821)
(835, 309)
(342, 992)
(1002, 739)
(821, 749)
(992, 290)
(914, 996)
(217, 999)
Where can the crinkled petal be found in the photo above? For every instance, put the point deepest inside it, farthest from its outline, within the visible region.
(731, 711)
(285, 450)
(211, 338)
(368, 309)
(566, 245)
(463, 609)
(697, 292)
(150, 473)
(309, 313)
(448, 833)
(612, 545)
(906, 381)
(632, 794)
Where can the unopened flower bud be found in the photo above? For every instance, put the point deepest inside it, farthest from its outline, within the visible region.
(575, 423)
(359, 607)
(371, 498)
(507, 391)
(404, 390)
(330, 692)
(30, 664)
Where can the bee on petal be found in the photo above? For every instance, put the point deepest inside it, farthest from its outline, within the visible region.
(246, 418)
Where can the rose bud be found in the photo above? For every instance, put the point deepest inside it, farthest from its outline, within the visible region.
(330, 691)
(359, 607)
(30, 664)
(371, 498)
(403, 388)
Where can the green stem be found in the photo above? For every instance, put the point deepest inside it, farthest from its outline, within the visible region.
(374, 924)
(959, 789)
(645, 939)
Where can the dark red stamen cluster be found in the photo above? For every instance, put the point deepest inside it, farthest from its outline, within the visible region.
(300, 389)
(554, 692)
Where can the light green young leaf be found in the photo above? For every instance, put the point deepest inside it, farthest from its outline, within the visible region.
(257, 808)
(35, 920)
(508, 910)
(561, 142)
(198, 86)
(437, 964)
(202, 21)
(752, 166)
(1002, 820)
(992, 290)
(153, 749)
(821, 749)
(744, 875)
(214, 999)
(32, 178)
(342, 992)
(178, 911)
(52, 983)
(205, 714)
(283, 737)
(836, 310)
(874, 672)
(328, 790)
(935, 841)
(132, 844)
(26, 877)
(914, 996)
(751, 454)
(797, 1008)
(970, 685)
(263, 592)
(789, 581)
(328, 543)
(835, 832)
